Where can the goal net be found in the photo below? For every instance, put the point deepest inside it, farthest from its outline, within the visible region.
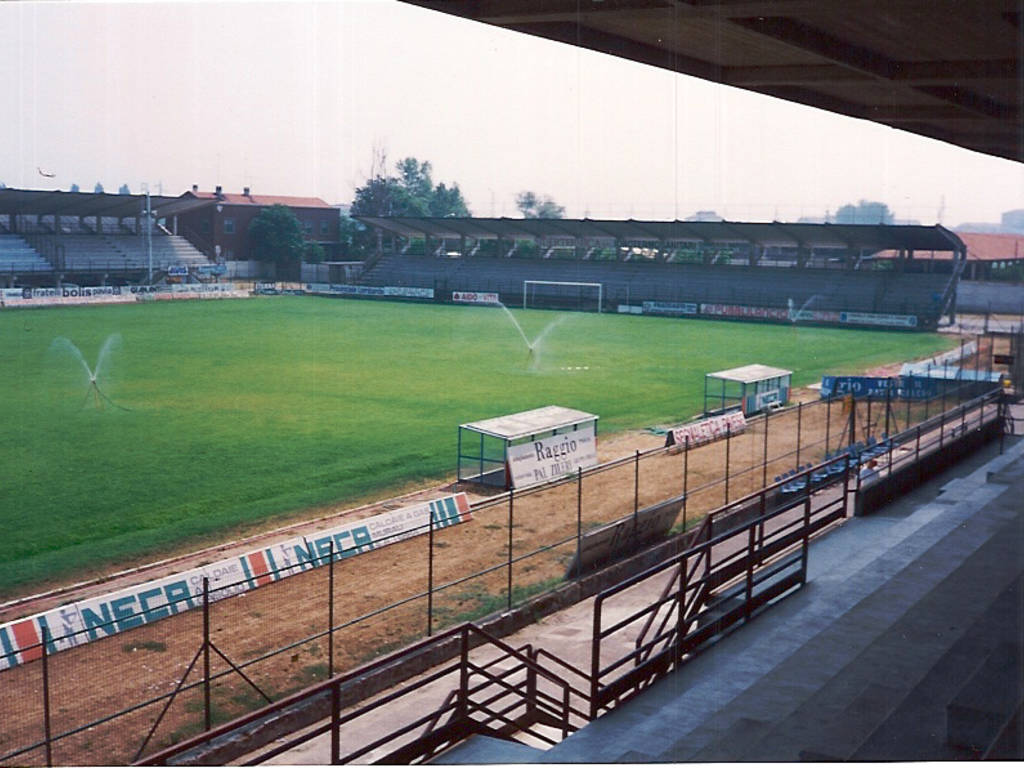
(556, 294)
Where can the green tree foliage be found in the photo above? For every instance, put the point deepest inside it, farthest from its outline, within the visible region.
(98, 189)
(864, 212)
(409, 192)
(276, 236)
(532, 206)
(74, 188)
(123, 190)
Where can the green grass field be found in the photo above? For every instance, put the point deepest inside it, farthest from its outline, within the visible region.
(245, 411)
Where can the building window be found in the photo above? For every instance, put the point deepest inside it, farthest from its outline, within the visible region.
(325, 227)
(229, 226)
(308, 226)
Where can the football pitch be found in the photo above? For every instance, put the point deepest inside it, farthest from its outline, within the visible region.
(212, 417)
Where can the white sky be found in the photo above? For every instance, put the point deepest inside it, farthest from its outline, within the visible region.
(292, 97)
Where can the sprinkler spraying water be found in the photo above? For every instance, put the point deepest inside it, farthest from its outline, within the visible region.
(92, 376)
(533, 348)
(795, 315)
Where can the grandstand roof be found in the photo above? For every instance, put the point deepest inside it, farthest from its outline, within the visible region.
(49, 203)
(981, 246)
(856, 236)
(951, 71)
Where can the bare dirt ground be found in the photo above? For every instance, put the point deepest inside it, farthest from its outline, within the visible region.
(109, 675)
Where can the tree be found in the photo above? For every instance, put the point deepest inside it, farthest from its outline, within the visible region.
(533, 207)
(98, 189)
(74, 188)
(409, 193)
(276, 236)
(864, 212)
(123, 190)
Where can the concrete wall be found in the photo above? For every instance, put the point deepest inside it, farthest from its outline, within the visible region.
(980, 297)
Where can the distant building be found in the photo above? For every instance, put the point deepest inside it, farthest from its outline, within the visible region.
(220, 228)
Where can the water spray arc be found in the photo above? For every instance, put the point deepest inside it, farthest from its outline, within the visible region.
(93, 390)
(532, 347)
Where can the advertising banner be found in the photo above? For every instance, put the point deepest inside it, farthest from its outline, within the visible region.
(707, 430)
(342, 289)
(471, 297)
(859, 386)
(669, 308)
(872, 318)
(96, 617)
(178, 270)
(770, 313)
(552, 457)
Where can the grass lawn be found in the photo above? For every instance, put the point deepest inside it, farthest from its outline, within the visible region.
(240, 411)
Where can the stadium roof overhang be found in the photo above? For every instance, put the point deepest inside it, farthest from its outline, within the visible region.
(867, 237)
(950, 71)
(28, 202)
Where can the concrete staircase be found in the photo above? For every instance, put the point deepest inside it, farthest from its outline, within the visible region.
(899, 612)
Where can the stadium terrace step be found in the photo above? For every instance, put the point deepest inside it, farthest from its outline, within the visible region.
(487, 750)
(807, 655)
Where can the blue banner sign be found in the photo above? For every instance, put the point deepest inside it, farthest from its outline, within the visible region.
(859, 386)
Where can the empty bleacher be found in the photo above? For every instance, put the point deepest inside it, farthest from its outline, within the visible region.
(110, 253)
(634, 282)
(18, 257)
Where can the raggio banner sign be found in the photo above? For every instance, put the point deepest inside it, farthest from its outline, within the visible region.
(549, 458)
(706, 430)
(104, 615)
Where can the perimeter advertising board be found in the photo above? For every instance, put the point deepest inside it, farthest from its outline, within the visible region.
(473, 297)
(105, 615)
(873, 318)
(539, 461)
(706, 430)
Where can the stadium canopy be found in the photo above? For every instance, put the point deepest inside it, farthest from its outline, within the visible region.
(949, 71)
(37, 202)
(753, 388)
(868, 237)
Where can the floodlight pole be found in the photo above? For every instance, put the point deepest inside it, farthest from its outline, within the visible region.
(149, 233)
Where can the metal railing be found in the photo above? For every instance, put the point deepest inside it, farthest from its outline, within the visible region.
(497, 696)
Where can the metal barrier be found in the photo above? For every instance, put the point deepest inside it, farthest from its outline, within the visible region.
(509, 693)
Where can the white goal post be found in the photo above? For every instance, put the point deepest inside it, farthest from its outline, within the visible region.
(563, 284)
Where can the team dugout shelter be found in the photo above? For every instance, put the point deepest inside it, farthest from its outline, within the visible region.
(486, 448)
(753, 388)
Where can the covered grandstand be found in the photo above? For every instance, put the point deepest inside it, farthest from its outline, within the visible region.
(50, 238)
(824, 273)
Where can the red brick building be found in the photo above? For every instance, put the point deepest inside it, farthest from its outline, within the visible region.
(220, 227)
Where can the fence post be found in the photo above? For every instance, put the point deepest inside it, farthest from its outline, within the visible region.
(430, 571)
(335, 725)
(888, 406)
(945, 384)
(806, 539)
(728, 440)
(846, 488)
(636, 488)
(510, 516)
(686, 476)
(681, 607)
(463, 706)
(330, 610)
(206, 652)
(907, 396)
(46, 696)
(799, 429)
(867, 434)
(749, 586)
(764, 456)
(917, 453)
(579, 523)
(828, 419)
(927, 400)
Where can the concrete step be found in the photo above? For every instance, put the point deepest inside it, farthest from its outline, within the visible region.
(486, 750)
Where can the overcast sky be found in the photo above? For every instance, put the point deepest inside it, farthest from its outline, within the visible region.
(293, 97)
